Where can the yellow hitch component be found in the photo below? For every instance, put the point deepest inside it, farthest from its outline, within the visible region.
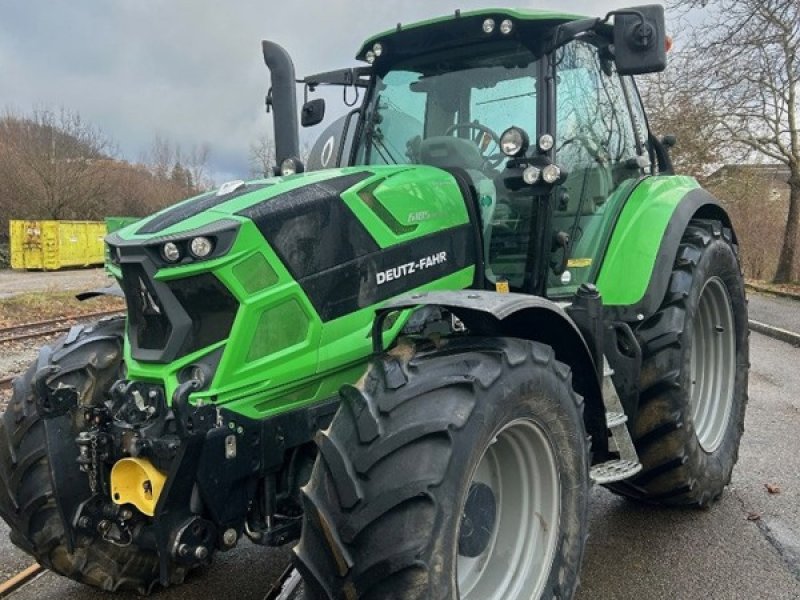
(136, 481)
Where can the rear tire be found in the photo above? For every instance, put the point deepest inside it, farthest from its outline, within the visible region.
(88, 358)
(694, 376)
(457, 471)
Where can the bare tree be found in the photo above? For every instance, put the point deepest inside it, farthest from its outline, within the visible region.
(747, 68)
(197, 167)
(161, 157)
(59, 159)
(674, 108)
(262, 156)
(167, 161)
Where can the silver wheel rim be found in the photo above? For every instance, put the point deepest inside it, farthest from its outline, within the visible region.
(520, 469)
(713, 365)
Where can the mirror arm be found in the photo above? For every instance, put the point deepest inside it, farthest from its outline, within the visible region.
(345, 77)
(567, 32)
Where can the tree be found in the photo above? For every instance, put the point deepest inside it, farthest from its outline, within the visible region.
(673, 108)
(262, 156)
(55, 161)
(168, 162)
(747, 69)
(197, 167)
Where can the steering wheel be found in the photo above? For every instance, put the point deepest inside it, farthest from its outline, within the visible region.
(493, 160)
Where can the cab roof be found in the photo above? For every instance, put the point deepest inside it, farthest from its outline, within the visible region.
(458, 29)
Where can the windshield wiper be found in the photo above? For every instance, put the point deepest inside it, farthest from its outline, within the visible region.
(375, 139)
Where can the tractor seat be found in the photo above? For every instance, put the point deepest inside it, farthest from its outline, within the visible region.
(446, 151)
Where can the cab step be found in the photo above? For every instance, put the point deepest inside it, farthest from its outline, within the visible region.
(614, 470)
(627, 465)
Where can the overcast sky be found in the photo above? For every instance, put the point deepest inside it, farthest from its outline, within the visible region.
(190, 70)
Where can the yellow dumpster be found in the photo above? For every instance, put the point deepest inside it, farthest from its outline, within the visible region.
(53, 245)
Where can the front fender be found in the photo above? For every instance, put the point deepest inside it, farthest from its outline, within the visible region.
(487, 313)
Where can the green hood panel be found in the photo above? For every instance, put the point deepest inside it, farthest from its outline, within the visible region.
(205, 209)
(396, 189)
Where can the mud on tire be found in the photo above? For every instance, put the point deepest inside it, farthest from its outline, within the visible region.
(387, 505)
(670, 432)
(89, 359)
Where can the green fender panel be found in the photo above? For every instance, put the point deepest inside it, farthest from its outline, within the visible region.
(636, 268)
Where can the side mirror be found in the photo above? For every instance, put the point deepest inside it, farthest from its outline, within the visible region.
(640, 40)
(313, 112)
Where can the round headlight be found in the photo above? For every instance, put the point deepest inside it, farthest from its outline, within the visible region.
(551, 174)
(506, 26)
(514, 141)
(377, 48)
(201, 246)
(546, 142)
(370, 56)
(171, 252)
(488, 26)
(291, 166)
(531, 175)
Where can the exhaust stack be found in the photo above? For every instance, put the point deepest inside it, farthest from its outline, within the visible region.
(283, 100)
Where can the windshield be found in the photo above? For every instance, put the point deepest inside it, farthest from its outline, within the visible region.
(449, 110)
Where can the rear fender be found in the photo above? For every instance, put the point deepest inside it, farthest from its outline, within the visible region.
(636, 269)
(487, 313)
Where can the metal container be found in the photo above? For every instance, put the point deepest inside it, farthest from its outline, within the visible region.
(53, 245)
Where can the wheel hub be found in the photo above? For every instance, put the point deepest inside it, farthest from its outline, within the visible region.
(509, 524)
(477, 521)
(713, 365)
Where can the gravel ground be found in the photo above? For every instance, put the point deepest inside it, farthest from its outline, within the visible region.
(21, 282)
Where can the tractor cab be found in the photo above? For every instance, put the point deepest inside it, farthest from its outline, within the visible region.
(536, 111)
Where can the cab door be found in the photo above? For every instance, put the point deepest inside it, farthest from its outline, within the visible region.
(603, 153)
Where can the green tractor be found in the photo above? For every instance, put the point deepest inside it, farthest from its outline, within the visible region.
(416, 359)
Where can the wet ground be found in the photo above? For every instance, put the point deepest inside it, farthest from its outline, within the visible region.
(746, 546)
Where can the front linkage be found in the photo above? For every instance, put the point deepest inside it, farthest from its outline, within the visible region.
(226, 475)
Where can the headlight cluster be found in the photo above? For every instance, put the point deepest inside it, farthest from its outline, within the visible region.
(376, 52)
(529, 170)
(506, 26)
(197, 247)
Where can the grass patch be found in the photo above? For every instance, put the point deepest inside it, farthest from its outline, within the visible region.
(40, 306)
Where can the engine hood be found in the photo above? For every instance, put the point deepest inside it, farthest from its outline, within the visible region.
(203, 211)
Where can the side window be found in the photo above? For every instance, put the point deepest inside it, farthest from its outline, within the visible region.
(400, 112)
(597, 146)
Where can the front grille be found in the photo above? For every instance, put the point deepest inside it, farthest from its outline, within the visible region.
(169, 320)
(211, 309)
(147, 317)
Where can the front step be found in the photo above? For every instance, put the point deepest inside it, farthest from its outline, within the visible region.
(627, 465)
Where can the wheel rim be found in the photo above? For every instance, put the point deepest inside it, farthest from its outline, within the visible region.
(519, 468)
(713, 365)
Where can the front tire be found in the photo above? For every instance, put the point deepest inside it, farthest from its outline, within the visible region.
(452, 472)
(89, 359)
(694, 376)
